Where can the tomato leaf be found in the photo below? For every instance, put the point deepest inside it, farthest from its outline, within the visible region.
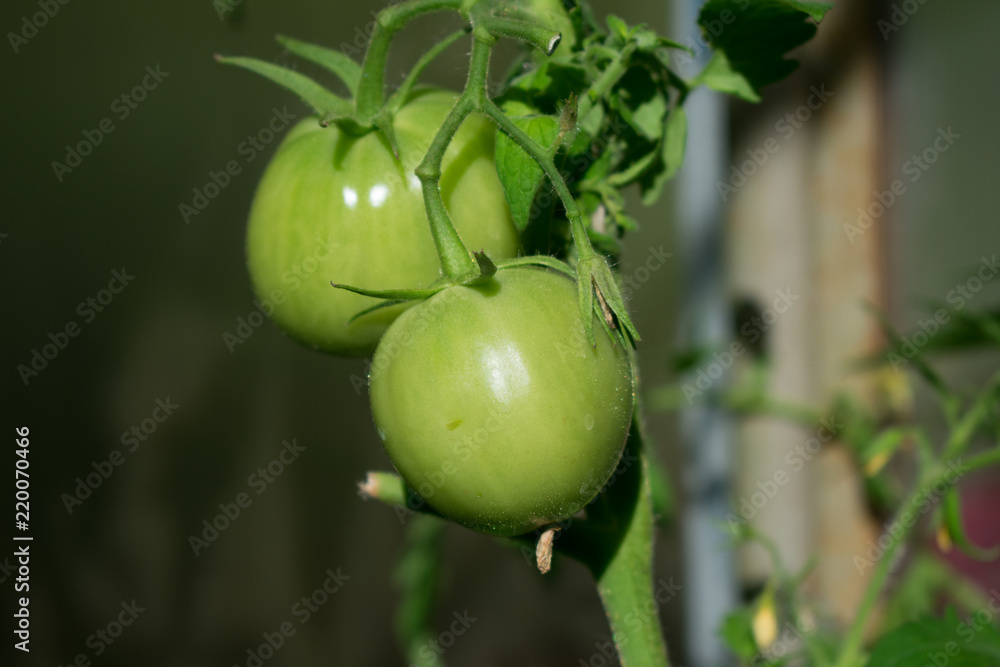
(641, 101)
(520, 175)
(547, 86)
(737, 633)
(719, 75)
(672, 150)
(959, 644)
(339, 63)
(319, 98)
(751, 39)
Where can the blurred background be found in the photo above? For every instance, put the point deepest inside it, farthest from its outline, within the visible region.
(847, 125)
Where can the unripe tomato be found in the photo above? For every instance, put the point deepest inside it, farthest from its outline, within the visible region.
(335, 207)
(493, 406)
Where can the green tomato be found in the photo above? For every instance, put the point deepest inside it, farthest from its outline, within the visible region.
(341, 208)
(494, 407)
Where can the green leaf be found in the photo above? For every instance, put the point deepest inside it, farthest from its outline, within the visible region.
(547, 86)
(319, 98)
(641, 101)
(339, 63)
(618, 27)
(946, 640)
(737, 633)
(719, 75)
(520, 175)
(672, 150)
(751, 40)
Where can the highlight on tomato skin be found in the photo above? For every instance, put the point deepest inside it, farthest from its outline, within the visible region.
(335, 207)
(493, 406)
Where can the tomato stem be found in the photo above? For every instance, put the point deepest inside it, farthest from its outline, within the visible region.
(371, 88)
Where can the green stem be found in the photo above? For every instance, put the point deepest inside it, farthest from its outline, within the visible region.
(608, 78)
(543, 156)
(961, 434)
(455, 259)
(904, 522)
(626, 590)
(983, 460)
(371, 87)
(417, 576)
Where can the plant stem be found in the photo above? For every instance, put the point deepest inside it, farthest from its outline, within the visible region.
(608, 78)
(417, 576)
(626, 589)
(544, 159)
(455, 259)
(371, 87)
(904, 522)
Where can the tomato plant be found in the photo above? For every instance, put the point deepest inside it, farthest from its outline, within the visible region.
(505, 396)
(494, 408)
(342, 207)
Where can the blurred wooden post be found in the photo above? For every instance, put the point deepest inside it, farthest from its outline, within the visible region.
(787, 232)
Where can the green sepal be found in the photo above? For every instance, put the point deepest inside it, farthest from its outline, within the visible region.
(487, 269)
(599, 277)
(399, 96)
(339, 63)
(324, 102)
(372, 309)
(952, 506)
(397, 294)
(383, 123)
(540, 260)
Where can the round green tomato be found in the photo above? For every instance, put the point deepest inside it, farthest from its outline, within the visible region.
(340, 208)
(494, 407)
